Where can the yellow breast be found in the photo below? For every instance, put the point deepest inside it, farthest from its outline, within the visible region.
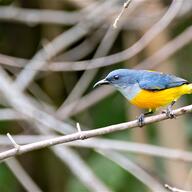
(155, 99)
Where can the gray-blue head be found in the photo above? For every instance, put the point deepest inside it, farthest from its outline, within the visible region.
(120, 78)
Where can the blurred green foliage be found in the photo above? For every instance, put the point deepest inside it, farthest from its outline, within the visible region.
(6, 2)
(8, 182)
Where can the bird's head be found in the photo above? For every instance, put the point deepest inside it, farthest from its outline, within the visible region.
(120, 78)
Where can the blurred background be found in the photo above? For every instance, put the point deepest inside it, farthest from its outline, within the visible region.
(49, 49)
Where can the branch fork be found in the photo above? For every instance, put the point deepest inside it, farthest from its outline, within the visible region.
(16, 146)
(82, 135)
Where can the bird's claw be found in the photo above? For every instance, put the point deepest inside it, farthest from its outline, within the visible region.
(141, 120)
(169, 113)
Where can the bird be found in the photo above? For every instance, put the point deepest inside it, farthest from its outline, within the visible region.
(148, 89)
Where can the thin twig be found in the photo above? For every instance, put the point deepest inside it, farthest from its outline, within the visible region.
(173, 189)
(13, 142)
(78, 127)
(125, 6)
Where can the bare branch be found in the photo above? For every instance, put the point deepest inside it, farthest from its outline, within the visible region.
(34, 16)
(168, 50)
(80, 169)
(22, 104)
(24, 139)
(12, 61)
(32, 110)
(131, 51)
(125, 6)
(22, 176)
(121, 56)
(83, 49)
(59, 43)
(108, 144)
(85, 102)
(134, 169)
(82, 3)
(83, 83)
(150, 63)
(90, 133)
(165, 52)
(11, 115)
(132, 147)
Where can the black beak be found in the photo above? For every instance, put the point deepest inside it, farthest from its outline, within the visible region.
(101, 82)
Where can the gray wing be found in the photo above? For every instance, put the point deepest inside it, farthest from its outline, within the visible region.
(158, 81)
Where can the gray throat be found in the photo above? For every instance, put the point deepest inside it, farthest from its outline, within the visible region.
(130, 91)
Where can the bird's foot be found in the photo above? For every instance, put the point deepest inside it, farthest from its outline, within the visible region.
(169, 113)
(141, 120)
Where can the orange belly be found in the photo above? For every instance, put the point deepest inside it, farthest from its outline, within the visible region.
(155, 99)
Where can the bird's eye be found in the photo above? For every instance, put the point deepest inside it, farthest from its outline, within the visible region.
(116, 77)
